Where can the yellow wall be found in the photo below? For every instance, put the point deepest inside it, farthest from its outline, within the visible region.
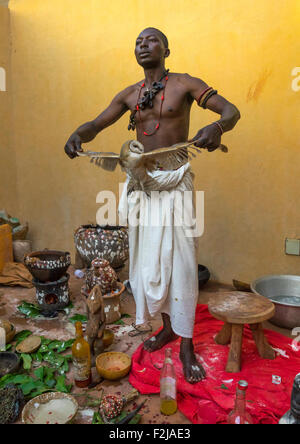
(70, 57)
(8, 189)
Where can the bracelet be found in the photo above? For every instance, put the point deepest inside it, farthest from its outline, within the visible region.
(208, 96)
(220, 127)
(202, 94)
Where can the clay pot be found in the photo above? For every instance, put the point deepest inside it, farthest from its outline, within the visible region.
(112, 306)
(102, 274)
(20, 248)
(103, 242)
(48, 265)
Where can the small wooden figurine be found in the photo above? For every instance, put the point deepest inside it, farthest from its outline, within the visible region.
(96, 321)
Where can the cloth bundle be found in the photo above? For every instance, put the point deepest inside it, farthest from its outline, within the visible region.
(14, 274)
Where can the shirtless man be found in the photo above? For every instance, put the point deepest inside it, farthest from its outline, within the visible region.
(160, 126)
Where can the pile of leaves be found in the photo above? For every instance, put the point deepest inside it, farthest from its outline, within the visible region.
(33, 311)
(48, 377)
(49, 352)
(44, 379)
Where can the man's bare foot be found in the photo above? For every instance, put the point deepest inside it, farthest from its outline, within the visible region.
(162, 338)
(193, 371)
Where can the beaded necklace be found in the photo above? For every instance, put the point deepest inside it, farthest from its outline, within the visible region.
(147, 101)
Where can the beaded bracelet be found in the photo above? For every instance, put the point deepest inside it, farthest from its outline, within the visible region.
(220, 127)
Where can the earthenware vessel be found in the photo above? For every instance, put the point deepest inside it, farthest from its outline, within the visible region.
(112, 304)
(102, 274)
(103, 242)
(47, 265)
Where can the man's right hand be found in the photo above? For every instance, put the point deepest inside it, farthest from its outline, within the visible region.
(73, 145)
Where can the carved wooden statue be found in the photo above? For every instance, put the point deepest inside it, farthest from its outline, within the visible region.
(96, 321)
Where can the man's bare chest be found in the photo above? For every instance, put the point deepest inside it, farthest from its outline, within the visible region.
(171, 102)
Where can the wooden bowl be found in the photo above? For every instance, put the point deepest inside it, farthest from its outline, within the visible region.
(50, 408)
(10, 330)
(113, 365)
(9, 363)
(108, 337)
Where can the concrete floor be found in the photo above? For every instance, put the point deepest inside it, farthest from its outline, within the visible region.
(60, 328)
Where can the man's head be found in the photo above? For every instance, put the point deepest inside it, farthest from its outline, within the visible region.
(152, 47)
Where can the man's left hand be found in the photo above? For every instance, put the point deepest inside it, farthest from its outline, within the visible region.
(208, 137)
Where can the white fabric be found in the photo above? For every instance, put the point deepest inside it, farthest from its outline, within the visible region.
(163, 260)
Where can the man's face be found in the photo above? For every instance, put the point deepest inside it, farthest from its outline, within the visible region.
(149, 49)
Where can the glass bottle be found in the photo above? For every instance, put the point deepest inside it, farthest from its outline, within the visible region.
(168, 383)
(239, 415)
(81, 354)
(293, 415)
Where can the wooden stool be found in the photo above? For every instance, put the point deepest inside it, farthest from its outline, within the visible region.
(236, 309)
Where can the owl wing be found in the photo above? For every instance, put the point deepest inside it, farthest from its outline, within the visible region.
(171, 157)
(107, 161)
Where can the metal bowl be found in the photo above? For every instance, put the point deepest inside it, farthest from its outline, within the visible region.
(284, 292)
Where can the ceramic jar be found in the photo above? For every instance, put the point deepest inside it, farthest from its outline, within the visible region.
(103, 274)
(104, 242)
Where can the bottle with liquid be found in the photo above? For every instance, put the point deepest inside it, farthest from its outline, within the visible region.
(168, 386)
(239, 415)
(293, 415)
(81, 354)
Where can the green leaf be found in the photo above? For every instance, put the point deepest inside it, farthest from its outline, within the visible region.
(7, 379)
(65, 345)
(21, 336)
(119, 322)
(223, 386)
(8, 347)
(27, 360)
(125, 315)
(39, 373)
(21, 379)
(78, 318)
(61, 384)
(29, 310)
(37, 357)
(54, 359)
(97, 418)
(28, 387)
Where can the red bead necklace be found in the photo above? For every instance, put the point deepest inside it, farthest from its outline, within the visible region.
(160, 112)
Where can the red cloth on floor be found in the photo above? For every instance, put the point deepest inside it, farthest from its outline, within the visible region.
(211, 400)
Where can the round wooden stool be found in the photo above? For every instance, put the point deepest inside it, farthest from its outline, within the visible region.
(236, 309)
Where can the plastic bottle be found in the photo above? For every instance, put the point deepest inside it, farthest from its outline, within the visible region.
(168, 386)
(81, 354)
(239, 414)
